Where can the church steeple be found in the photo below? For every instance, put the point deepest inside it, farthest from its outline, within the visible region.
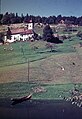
(30, 25)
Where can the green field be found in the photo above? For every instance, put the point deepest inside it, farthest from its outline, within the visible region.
(24, 50)
(52, 91)
(44, 69)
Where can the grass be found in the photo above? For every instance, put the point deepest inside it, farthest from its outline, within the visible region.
(19, 55)
(22, 51)
(43, 63)
(45, 69)
(53, 91)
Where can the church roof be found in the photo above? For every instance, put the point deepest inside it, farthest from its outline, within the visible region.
(21, 31)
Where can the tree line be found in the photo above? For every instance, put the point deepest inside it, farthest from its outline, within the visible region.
(11, 18)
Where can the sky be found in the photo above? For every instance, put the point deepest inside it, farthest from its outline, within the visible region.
(43, 7)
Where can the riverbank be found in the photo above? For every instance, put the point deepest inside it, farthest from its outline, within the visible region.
(38, 90)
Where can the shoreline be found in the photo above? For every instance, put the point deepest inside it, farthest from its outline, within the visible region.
(38, 91)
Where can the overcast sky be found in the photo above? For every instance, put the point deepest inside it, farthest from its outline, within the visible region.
(43, 7)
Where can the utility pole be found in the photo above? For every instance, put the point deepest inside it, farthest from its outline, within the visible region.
(28, 70)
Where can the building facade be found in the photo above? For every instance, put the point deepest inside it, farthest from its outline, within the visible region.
(19, 34)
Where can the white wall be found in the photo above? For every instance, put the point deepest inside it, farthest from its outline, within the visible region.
(17, 37)
(30, 26)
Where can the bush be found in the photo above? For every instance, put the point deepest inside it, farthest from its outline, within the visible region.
(55, 40)
(48, 35)
(79, 34)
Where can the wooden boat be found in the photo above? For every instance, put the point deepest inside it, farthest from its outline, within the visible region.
(19, 100)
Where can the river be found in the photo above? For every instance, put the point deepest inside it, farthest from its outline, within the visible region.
(39, 109)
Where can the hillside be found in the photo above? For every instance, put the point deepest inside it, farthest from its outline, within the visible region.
(45, 66)
(56, 72)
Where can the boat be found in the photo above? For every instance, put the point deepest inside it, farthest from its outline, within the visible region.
(19, 100)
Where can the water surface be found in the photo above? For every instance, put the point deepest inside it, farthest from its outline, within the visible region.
(39, 109)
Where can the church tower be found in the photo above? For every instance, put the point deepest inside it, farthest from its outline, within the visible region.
(30, 25)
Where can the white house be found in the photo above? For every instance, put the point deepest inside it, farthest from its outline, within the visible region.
(21, 33)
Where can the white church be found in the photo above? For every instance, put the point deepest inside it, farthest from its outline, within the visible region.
(21, 33)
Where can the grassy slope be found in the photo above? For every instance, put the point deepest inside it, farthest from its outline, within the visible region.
(53, 91)
(45, 69)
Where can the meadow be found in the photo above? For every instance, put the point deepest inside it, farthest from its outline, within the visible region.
(45, 69)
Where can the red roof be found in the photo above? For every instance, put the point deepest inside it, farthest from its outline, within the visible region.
(21, 31)
(30, 21)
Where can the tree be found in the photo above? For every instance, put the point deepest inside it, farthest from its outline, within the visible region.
(59, 18)
(1, 38)
(26, 18)
(50, 20)
(79, 34)
(38, 19)
(44, 20)
(1, 16)
(35, 36)
(12, 18)
(5, 19)
(22, 17)
(9, 34)
(48, 35)
(18, 19)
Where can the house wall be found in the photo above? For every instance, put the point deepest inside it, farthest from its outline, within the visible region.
(15, 37)
(18, 37)
(30, 26)
(25, 37)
